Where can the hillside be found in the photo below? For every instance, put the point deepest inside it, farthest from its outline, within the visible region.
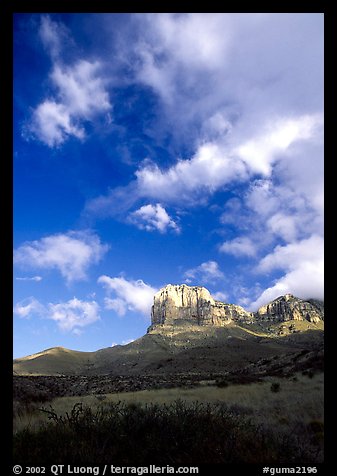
(190, 332)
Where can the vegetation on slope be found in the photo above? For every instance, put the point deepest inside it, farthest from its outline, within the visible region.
(178, 433)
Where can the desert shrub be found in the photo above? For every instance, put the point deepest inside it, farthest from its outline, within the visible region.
(316, 426)
(275, 387)
(178, 433)
(309, 373)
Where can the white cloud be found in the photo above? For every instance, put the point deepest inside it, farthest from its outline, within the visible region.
(73, 314)
(176, 45)
(52, 123)
(261, 197)
(303, 264)
(246, 107)
(289, 257)
(232, 210)
(220, 296)
(118, 305)
(202, 36)
(249, 110)
(80, 93)
(153, 217)
(240, 246)
(26, 278)
(207, 272)
(213, 166)
(282, 208)
(81, 89)
(52, 35)
(253, 112)
(217, 163)
(262, 151)
(216, 126)
(200, 64)
(283, 225)
(70, 253)
(28, 307)
(131, 295)
(69, 316)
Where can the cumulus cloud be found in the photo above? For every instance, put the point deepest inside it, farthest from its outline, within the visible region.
(80, 93)
(303, 265)
(52, 123)
(213, 166)
(290, 256)
(207, 272)
(73, 314)
(275, 208)
(259, 153)
(153, 217)
(216, 164)
(210, 168)
(200, 64)
(131, 295)
(240, 246)
(69, 316)
(28, 307)
(81, 88)
(247, 111)
(70, 253)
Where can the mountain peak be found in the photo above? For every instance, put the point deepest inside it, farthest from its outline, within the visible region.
(180, 304)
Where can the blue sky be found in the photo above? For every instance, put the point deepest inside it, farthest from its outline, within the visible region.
(162, 148)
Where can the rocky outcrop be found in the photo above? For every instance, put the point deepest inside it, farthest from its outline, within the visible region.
(181, 305)
(291, 308)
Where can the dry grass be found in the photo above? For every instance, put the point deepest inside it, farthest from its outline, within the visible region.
(298, 401)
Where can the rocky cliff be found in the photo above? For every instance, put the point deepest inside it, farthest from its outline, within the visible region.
(291, 308)
(182, 304)
(176, 305)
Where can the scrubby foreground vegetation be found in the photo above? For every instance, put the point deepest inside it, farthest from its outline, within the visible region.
(269, 412)
(175, 433)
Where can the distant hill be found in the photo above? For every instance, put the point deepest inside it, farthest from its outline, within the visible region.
(191, 332)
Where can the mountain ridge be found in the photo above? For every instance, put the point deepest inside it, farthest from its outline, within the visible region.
(191, 332)
(178, 304)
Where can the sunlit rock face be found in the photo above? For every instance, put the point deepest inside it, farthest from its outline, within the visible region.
(291, 308)
(194, 305)
(182, 305)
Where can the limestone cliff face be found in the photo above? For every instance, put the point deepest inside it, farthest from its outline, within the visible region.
(289, 308)
(176, 305)
(179, 304)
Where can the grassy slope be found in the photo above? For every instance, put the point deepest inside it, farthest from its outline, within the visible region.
(54, 361)
(299, 401)
(184, 350)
